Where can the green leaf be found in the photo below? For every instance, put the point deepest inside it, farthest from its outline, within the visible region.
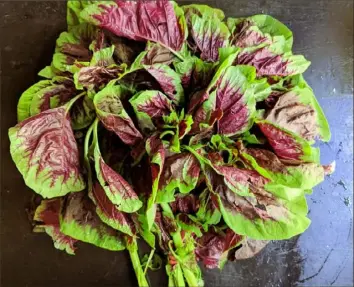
(74, 7)
(200, 10)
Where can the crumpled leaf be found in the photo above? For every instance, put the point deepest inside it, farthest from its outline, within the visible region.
(80, 221)
(117, 189)
(99, 72)
(110, 111)
(149, 107)
(213, 247)
(44, 150)
(288, 146)
(138, 21)
(258, 30)
(169, 81)
(109, 213)
(208, 213)
(297, 110)
(46, 216)
(44, 95)
(208, 32)
(158, 54)
(125, 50)
(180, 172)
(273, 60)
(267, 215)
(73, 10)
(304, 176)
(74, 46)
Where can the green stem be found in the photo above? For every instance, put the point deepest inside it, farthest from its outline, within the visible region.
(132, 247)
(149, 260)
(175, 277)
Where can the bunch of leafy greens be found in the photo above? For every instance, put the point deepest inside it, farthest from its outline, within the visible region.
(174, 125)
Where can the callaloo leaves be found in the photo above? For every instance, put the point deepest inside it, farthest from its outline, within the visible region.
(46, 153)
(174, 125)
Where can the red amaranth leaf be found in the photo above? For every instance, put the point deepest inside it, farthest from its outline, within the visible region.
(109, 213)
(213, 247)
(46, 153)
(139, 20)
(112, 114)
(47, 217)
(149, 107)
(188, 204)
(288, 146)
(116, 187)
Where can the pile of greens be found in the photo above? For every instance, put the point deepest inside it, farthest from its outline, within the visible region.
(173, 125)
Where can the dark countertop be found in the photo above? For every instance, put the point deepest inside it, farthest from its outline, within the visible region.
(322, 256)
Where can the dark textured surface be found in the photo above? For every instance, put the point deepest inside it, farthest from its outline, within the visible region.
(322, 256)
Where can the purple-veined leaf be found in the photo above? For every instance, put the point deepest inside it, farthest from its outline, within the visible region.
(150, 107)
(168, 80)
(156, 152)
(117, 189)
(268, 214)
(44, 150)
(235, 98)
(45, 95)
(82, 113)
(99, 72)
(109, 213)
(304, 176)
(80, 221)
(208, 32)
(74, 46)
(273, 60)
(258, 30)
(113, 116)
(180, 172)
(140, 21)
(47, 217)
(288, 146)
(297, 110)
(164, 227)
(185, 203)
(213, 247)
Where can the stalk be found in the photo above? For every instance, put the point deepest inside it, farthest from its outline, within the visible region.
(132, 247)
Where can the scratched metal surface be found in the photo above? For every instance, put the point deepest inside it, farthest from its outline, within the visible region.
(322, 256)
